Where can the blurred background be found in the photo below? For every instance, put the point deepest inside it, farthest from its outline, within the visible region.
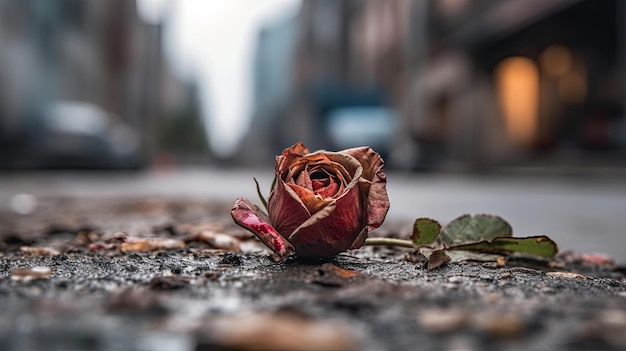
(432, 84)
(476, 87)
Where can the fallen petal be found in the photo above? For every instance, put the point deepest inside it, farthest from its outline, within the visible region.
(40, 251)
(597, 259)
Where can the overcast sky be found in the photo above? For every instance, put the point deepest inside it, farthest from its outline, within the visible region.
(213, 41)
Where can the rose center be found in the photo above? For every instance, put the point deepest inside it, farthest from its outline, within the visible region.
(319, 180)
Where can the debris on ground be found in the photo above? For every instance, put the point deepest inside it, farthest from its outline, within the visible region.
(165, 274)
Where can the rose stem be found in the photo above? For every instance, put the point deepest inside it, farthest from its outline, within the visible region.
(389, 242)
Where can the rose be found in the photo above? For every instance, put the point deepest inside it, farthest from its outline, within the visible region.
(321, 204)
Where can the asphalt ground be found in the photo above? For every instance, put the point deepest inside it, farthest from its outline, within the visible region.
(119, 271)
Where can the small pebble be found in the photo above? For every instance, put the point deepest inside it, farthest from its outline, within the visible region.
(486, 278)
(23, 204)
(456, 279)
(231, 259)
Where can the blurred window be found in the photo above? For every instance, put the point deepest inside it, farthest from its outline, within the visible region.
(355, 126)
(517, 82)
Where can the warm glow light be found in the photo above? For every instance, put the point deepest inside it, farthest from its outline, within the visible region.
(517, 82)
(556, 60)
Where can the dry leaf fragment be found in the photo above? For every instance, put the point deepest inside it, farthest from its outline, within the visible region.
(30, 273)
(553, 264)
(330, 275)
(279, 332)
(219, 240)
(152, 244)
(101, 246)
(40, 251)
(437, 259)
(415, 256)
(568, 275)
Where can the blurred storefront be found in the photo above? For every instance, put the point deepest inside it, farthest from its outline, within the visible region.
(466, 84)
(519, 83)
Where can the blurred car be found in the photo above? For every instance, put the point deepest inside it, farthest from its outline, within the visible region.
(76, 134)
(349, 127)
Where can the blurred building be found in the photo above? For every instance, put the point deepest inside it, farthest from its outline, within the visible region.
(460, 83)
(181, 136)
(80, 84)
(273, 61)
(518, 83)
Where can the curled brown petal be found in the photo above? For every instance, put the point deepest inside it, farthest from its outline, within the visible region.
(286, 158)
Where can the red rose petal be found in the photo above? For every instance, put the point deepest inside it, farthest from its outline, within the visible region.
(250, 217)
(328, 191)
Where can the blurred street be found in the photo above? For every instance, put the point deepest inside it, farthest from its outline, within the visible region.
(584, 214)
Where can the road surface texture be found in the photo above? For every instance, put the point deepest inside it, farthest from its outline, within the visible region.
(584, 214)
(153, 262)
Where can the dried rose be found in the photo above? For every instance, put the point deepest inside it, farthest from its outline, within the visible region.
(322, 203)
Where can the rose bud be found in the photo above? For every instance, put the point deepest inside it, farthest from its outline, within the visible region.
(321, 204)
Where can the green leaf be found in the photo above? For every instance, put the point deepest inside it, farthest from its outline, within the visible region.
(261, 197)
(437, 259)
(425, 231)
(532, 245)
(468, 229)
